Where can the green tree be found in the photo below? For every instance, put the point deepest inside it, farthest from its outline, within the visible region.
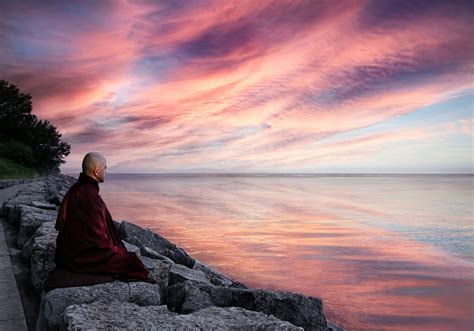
(18, 151)
(24, 138)
(48, 146)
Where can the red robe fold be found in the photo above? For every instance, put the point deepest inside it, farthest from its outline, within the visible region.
(88, 247)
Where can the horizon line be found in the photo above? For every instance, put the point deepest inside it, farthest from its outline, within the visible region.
(278, 173)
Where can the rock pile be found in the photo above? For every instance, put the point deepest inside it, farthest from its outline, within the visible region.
(189, 295)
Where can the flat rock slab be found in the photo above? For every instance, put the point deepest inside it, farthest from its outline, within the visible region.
(54, 303)
(120, 316)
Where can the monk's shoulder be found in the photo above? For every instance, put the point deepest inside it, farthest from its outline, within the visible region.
(85, 194)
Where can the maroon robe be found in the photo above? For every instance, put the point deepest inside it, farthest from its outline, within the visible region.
(88, 247)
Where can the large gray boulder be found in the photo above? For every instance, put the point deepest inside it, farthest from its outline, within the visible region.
(35, 191)
(215, 277)
(12, 210)
(301, 310)
(295, 308)
(54, 303)
(131, 248)
(128, 316)
(57, 186)
(34, 195)
(30, 219)
(178, 273)
(46, 229)
(191, 296)
(42, 252)
(159, 271)
(148, 252)
(145, 238)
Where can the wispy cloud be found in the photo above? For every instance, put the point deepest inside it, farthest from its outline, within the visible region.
(254, 86)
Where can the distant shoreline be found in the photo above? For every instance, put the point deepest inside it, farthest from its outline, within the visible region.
(281, 174)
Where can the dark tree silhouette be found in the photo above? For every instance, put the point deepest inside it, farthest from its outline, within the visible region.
(24, 138)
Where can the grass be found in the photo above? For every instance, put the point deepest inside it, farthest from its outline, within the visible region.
(12, 170)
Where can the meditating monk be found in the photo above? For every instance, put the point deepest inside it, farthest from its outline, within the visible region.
(88, 247)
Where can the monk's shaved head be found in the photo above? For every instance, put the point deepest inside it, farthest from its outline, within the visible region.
(92, 165)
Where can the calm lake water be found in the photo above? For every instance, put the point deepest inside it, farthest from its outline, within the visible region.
(383, 252)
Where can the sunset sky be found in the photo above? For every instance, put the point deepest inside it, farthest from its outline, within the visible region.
(250, 86)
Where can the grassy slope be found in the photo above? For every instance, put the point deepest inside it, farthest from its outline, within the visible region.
(9, 169)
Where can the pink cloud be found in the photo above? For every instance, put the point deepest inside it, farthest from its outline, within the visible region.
(219, 85)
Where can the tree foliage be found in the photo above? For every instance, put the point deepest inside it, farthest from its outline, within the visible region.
(24, 138)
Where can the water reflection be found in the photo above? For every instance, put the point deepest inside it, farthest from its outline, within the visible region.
(384, 253)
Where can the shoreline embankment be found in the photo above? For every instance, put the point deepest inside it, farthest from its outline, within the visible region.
(188, 295)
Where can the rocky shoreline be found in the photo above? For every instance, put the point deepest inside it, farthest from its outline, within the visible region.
(189, 295)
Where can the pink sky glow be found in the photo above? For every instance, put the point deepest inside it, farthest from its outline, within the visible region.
(250, 86)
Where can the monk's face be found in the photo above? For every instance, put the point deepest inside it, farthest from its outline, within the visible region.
(100, 172)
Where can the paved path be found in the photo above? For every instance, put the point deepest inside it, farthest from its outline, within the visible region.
(12, 316)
